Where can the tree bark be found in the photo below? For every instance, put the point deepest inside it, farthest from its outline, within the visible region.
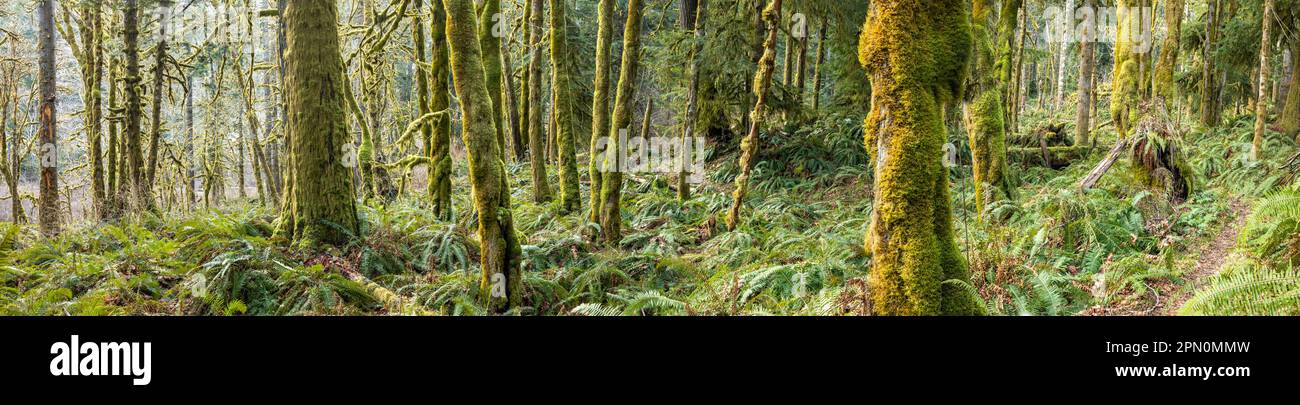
(500, 253)
(536, 131)
(48, 131)
(1083, 113)
(321, 207)
(916, 54)
(1261, 101)
(611, 217)
(562, 107)
(600, 102)
(694, 13)
(749, 145)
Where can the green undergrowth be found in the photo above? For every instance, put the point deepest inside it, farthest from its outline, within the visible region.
(1052, 250)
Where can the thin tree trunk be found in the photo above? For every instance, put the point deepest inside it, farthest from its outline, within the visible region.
(693, 16)
(48, 131)
(1086, 64)
(600, 102)
(1261, 101)
(762, 79)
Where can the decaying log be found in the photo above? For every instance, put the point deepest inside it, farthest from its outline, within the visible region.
(1096, 173)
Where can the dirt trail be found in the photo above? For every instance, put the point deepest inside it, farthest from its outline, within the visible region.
(1209, 258)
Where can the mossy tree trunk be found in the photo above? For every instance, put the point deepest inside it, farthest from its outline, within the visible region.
(134, 167)
(1261, 100)
(1163, 85)
(562, 105)
(321, 205)
(436, 133)
(160, 64)
(817, 68)
(983, 114)
(536, 130)
(1289, 121)
(762, 80)
(112, 198)
(490, 43)
(1124, 85)
(1208, 101)
(500, 253)
(915, 52)
(692, 18)
(600, 101)
(48, 131)
(611, 217)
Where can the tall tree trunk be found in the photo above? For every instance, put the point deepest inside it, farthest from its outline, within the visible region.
(1289, 121)
(817, 68)
(611, 217)
(92, 73)
(749, 145)
(500, 253)
(982, 110)
(489, 36)
(321, 207)
(160, 60)
(112, 196)
(48, 131)
(1261, 101)
(600, 102)
(562, 105)
(439, 180)
(440, 160)
(510, 103)
(1163, 84)
(1207, 64)
(191, 176)
(1124, 85)
(1059, 100)
(693, 16)
(915, 52)
(134, 163)
(536, 131)
(1083, 113)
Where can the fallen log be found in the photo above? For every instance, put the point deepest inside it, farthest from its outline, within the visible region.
(1096, 173)
(1053, 157)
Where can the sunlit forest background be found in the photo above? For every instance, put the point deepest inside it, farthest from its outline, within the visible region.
(471, 157)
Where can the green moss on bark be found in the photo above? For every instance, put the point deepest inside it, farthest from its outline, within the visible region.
(490, 44)
(1164, 80)
(762, 80)
(562, 103)
(600, 101)
(611, 217)
(915, 53)
(321, 207)
(536, 131)
(1289, 121)
(500, 253)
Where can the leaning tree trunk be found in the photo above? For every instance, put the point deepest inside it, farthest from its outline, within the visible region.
(600, 101)
(1261, 101)
(48, 132)
(500, 253)
(915, 52)
(562, 105)
(536, 132)
(321, 206)
(762, 79)
(611, 217)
